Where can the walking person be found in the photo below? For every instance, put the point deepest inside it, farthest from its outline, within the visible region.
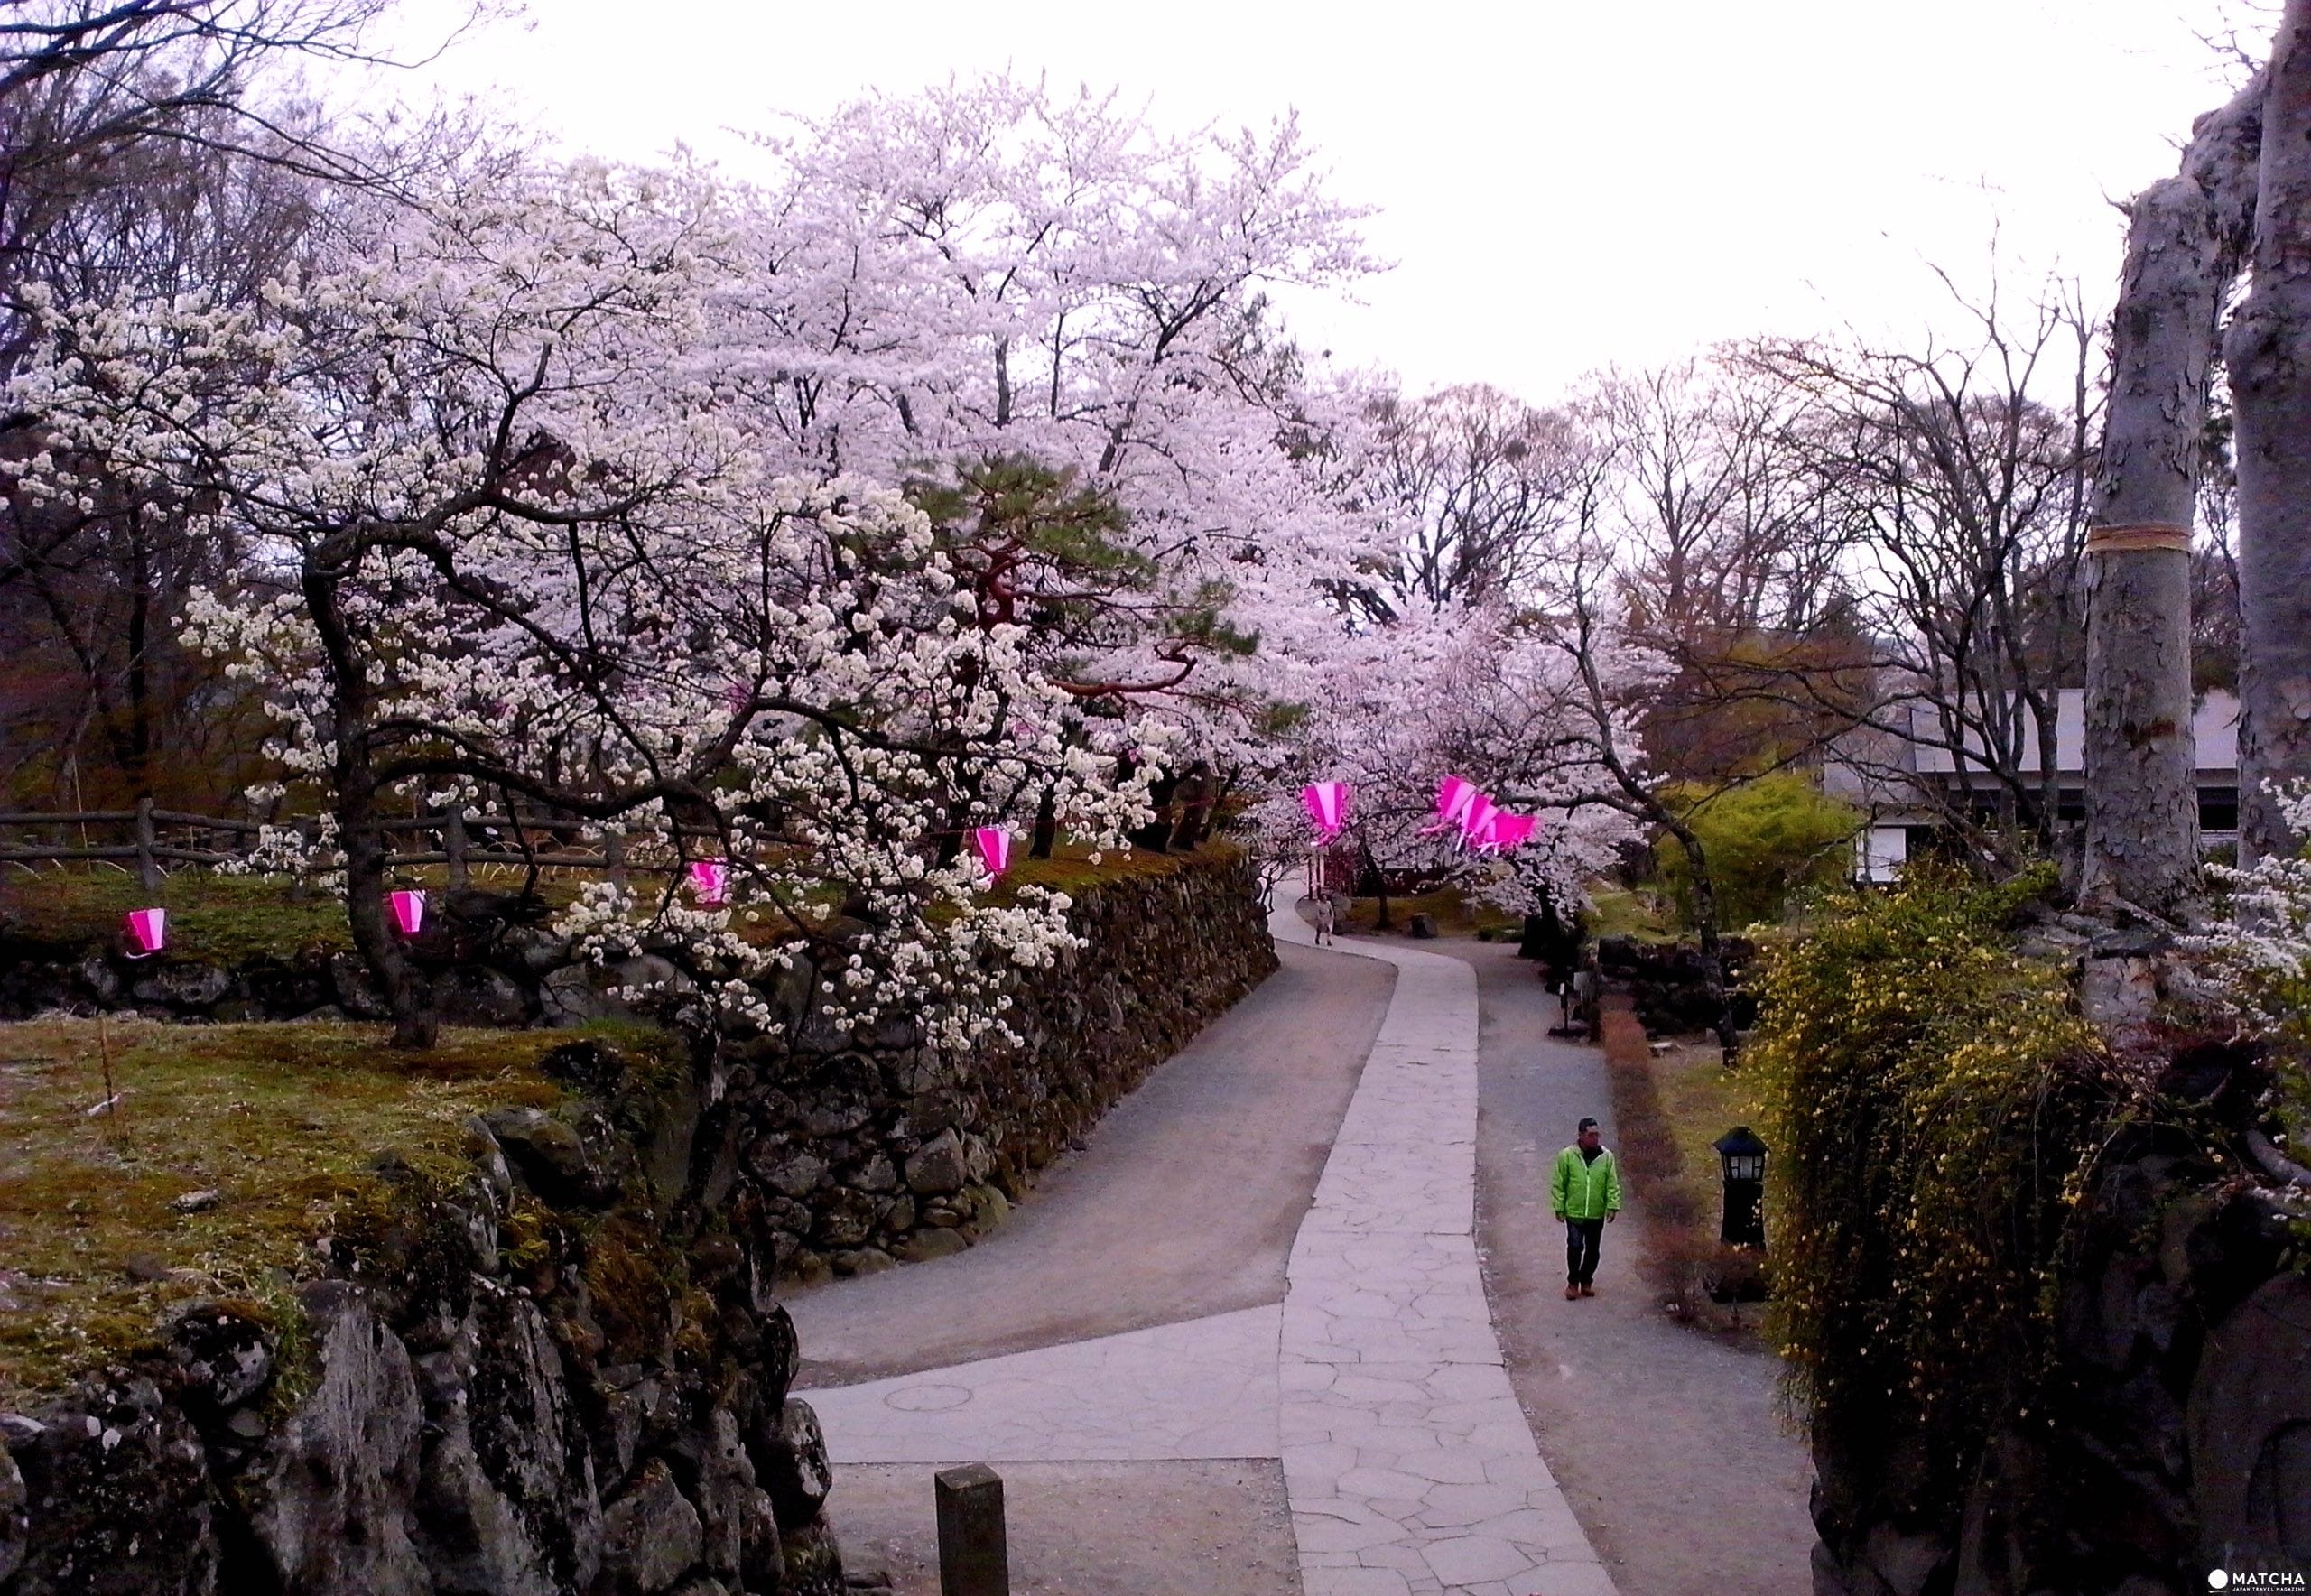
(1326, 917)
(1586, 1192)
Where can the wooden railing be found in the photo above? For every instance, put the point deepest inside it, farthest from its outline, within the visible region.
(459, 841)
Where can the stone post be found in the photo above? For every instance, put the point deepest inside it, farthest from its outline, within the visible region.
(974, 1559)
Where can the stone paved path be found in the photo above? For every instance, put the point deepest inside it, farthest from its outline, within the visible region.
(1378, 1381)
(1407, 1460)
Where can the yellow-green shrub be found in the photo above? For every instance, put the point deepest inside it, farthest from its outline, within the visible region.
(1762, 840)
(1933, 1106)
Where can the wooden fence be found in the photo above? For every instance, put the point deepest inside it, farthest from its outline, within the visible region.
(158, 836)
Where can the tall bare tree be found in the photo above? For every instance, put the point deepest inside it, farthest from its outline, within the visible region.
(1960, 479)
(2186, 237)
(2267, 352)
(1484, 484)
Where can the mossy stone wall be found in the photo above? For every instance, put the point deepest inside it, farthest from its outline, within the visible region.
(849, 1154)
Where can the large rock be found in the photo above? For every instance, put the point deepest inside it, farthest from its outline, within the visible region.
(336, 1487)
(182, 986)
(571, 996)
(357, 991)
(120, 1484)
(224, 1359)
(651, 1536)
(2250, 1431)
(939, 1167)
(551, 1155)
(790, 1453)
(476, 995)
(636, 988)
(786, 1169)
(740, 1522)
(508, 1503)
(813, 1562)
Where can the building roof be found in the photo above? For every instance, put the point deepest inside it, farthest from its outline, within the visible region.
(2214, 727)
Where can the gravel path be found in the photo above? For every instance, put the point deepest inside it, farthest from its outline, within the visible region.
(1182, 1205)
(1666, 1441)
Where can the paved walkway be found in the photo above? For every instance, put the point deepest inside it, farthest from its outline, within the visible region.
(1408, 1464)
(1184, 1205)
(1684, 1475)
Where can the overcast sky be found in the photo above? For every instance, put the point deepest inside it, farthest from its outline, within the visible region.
(1561, 184)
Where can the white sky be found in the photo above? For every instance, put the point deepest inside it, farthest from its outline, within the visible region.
(1562, 184)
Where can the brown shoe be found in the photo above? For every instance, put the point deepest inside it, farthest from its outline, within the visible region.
(1588, 1291)
(1571, 1292)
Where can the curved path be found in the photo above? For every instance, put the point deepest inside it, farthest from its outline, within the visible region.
(1377, 1379)
(1182, 1206)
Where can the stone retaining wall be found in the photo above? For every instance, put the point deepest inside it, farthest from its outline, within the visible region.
(852, 1157)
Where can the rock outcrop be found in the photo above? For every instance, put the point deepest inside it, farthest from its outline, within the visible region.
(559, 1375)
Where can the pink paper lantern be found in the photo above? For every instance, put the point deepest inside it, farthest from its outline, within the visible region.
(149, 929)
(409, 911)
(1477, 819)
(1509, 830)
(994, 844)
(709, 880)
(1454, 797)
(1327, 805)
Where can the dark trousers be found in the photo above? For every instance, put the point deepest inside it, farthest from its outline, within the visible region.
(1581, 1239)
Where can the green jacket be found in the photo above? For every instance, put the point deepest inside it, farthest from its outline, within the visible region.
(1582, 1190)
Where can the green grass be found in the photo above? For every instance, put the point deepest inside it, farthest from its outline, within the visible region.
(1617, 911)
(236, 920)
(1071, 868)
(1702, 1100)
(224, 919)
(1453, 914)
(286, 1122)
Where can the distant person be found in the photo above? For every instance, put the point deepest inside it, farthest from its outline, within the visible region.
(1586, 1192)
(1586, 987)
(1327, 916)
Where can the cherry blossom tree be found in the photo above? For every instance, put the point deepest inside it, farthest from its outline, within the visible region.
(517, 524)
(992, 271)
(1496, 696)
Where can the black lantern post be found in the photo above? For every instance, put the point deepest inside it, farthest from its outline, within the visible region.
(1743, 1157)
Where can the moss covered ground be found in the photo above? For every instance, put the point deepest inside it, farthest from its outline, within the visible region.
(229, 919)
(1454, 913)
(237, 920)
(284, 1123)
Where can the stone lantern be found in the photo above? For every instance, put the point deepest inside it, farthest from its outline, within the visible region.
(1743, 1157)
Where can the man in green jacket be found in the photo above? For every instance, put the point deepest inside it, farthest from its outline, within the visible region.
(1585, 1191)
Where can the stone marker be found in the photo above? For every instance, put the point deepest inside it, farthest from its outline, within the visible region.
(973, 1558)
(1422, 925)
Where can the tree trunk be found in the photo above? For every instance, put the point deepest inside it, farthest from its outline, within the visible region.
(411, 995)
(1713, 952)
(2268, 352)
(359, 818)
(1380, 885)
(1046, 834)
(2185, 237)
